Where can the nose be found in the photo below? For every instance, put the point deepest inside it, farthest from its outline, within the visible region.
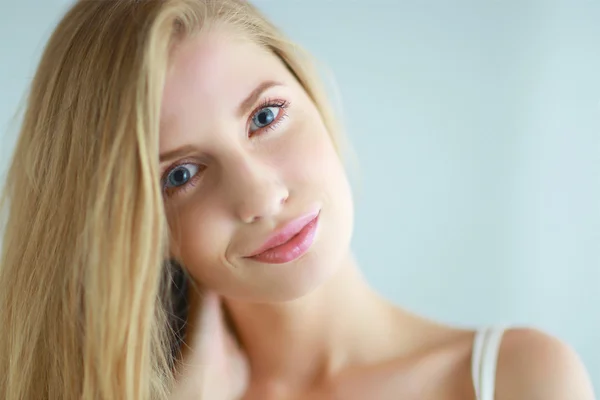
(256, 190)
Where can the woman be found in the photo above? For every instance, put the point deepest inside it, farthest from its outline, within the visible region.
(183, 152)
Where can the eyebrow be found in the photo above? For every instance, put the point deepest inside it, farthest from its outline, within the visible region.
(182, 151)
(243, 109)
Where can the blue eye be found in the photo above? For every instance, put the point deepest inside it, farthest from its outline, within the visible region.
(264, 117)
(181, 175)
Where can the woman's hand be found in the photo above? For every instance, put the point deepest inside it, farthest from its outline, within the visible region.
(215, 368)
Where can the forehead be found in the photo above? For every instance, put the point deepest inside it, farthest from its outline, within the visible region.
(216, 69)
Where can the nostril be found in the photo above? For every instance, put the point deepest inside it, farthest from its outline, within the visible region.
(261, 203)
(285, 195)
(284, 199)
(252, 219)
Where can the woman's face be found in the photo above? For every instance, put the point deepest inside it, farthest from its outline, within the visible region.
(246, 164)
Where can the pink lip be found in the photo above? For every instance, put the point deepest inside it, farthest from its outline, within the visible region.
(289, 242)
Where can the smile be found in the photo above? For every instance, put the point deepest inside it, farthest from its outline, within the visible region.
(290, 242)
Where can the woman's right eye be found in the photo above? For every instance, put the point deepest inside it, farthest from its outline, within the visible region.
(181, 175)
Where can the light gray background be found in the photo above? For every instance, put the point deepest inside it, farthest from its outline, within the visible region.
(477, 129)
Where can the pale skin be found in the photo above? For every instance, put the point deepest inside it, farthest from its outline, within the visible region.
(311, 328)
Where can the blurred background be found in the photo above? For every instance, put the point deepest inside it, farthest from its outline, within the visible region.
(476, 127)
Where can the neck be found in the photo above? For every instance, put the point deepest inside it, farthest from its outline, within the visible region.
(303, 341)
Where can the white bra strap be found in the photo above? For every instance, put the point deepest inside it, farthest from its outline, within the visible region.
(484, 360)
(476, 356)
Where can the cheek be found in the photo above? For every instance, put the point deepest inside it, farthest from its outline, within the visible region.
(198, 235)
(312, 158)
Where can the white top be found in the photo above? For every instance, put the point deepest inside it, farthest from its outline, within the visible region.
(484, 360)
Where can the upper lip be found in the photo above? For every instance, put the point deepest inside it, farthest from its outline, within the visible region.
(286, 232)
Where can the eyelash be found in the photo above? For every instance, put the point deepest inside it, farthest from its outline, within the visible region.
(181, 189)
(278, 103)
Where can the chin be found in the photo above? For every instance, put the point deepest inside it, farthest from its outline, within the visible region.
(306, 275)
(298, 278)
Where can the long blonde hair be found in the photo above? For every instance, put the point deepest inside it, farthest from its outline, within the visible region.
(83, 310)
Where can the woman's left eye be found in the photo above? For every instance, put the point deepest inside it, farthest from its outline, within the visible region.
(264, 117)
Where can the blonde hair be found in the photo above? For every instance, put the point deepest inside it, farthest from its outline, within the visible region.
(84, 312)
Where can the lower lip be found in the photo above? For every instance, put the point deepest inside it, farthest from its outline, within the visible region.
(291, 250)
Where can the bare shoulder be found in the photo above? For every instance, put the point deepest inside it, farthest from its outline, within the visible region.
(533, 365)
